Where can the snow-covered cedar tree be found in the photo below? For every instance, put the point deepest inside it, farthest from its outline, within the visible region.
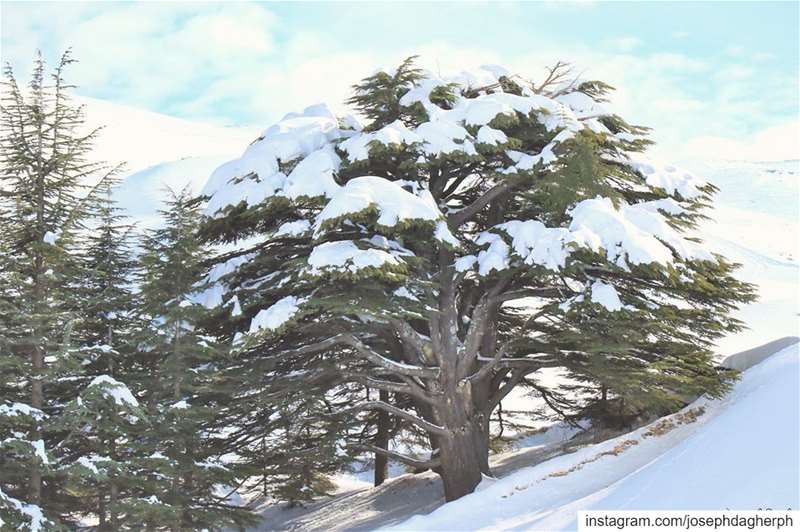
(185, 479)
(45, 197)
(473, 231)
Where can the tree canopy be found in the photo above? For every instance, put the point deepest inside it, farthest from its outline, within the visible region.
(473, 231)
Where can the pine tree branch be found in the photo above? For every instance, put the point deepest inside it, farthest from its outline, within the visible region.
(385, 363)
(365, 352)
(551, 402)
(506, 388)
(544, 292)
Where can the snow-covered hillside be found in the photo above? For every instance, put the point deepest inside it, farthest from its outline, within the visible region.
(756, 222)
(740, 452)
(159, 151)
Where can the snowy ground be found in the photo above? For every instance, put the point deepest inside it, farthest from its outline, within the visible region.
(740, 453)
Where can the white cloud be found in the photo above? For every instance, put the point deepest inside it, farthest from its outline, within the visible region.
(735, 72)
(624, 44)
(777, 143)
(149, 53)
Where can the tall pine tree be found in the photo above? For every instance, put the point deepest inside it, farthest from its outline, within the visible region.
(187, 480)
(100, 427)
(45, 195)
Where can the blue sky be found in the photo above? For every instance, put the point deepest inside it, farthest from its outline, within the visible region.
(707, 76)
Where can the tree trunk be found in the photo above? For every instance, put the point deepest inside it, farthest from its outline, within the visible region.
(464, 449)
(382, 441)
(113, 501)
(37, 401)
(101, 511)
(461, 461)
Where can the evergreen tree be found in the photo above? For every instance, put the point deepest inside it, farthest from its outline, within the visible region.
(100, 429)
(44, 199)
(185, 476)
(108, 302)
(102, 426)
(476, 230)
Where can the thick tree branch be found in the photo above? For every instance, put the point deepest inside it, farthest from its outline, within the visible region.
(409, 388)
(493, 363)
(386, 407)
(420, 464)
(389, 365)
(457, 218)
(365, 352)
(409, 336)
(480, 323)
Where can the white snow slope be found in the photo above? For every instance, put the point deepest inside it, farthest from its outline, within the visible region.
(756, 222)
(741, 453)
(158, 151)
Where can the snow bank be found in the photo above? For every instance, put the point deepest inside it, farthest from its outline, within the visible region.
(736, 453)
(747, 359)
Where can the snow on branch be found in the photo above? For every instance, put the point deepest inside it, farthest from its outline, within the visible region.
(626, 234)
(114, 389)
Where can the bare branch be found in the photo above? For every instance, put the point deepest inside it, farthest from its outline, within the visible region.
(555, 75)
